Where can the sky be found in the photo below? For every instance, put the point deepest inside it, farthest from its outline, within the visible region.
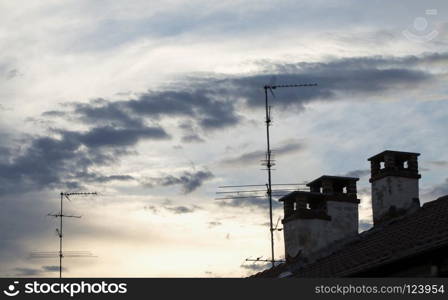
(156, 104)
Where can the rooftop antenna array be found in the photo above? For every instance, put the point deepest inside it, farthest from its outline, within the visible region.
(61, 254)
(268, 162)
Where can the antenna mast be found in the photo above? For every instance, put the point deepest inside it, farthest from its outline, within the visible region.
(269, 162)
(61, 216)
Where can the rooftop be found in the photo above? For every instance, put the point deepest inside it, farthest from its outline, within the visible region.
(424, 230)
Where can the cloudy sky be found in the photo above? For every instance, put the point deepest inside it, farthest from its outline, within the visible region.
(155, 104)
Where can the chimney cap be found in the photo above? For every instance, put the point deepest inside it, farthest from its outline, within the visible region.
(319, 180)
(310, 196)
(399, 154)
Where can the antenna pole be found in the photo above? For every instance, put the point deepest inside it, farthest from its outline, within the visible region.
(61, 216)
(269, 165)
(268, 153)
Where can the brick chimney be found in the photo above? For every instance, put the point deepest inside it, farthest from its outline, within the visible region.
(315, 219)
(394, 178)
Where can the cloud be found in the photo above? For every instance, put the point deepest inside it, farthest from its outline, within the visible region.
(212, 102)
(365, 224)
(245, 158)
(339, 78)
(183, 209)
(102, 112)
(214, 224)
(109, 136)
(208, 108)
(438, 163)
(92, 177)
(28, 272)
(53, 113)
(53, 268)
(249, 202)
(439, 190)
(358, 173)
(192, 138)
(176, 209)
(33, 272)
(151, 208)
(189, 181)
(258, 155)
(64, 161)
(256, 267)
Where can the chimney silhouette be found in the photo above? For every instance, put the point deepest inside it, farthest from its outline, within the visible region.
(394, 178)
(315, 219)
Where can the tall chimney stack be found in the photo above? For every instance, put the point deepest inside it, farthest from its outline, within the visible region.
(315, 219)
(394, 178)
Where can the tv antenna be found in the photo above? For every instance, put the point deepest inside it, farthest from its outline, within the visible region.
(61, 216)
(268, 163)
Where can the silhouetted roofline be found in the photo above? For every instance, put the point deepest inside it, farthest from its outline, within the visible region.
(340, 178)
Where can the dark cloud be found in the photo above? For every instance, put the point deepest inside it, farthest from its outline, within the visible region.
(209, 110)
(183, 209)
(53, 268)
(256, 267)
(249, 202)
(245, 158)
(191, 134)
(4, 153)
(53, 113)
(99, 111)
(192, 138)
(213, 102)
(208, 103)
(337, 79)
(108, 136)
(176, 209)
(214, 223)
(64, 161)
(358, 173)
(189, 181)
(258, 155)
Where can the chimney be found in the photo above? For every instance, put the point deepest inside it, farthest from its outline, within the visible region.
(315, 219)
(394, 178)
